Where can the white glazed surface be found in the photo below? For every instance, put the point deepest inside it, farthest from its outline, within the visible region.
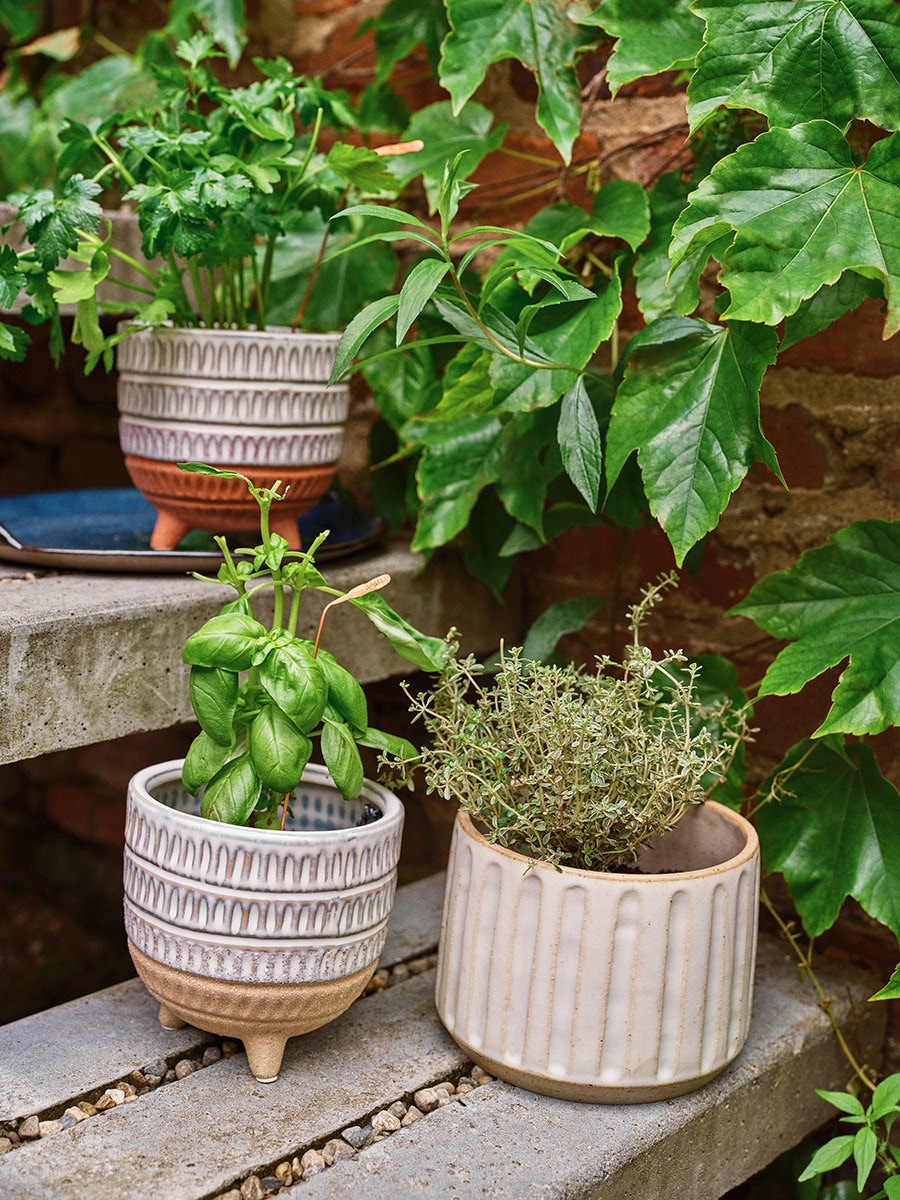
(230, 402)
(272, 354)
(602, 981)
(231, 445)
(227, 902)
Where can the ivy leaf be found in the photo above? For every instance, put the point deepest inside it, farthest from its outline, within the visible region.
(689, 405)
(834, 60)
(653, 36)
(460, 458)
(402, 26)
(802, 212)
(834, 832)
(540, 34)
(838, 601)
(827, 305)
(445, 135)
(579, 442)
(530, 460)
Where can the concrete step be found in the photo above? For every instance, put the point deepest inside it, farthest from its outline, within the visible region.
(206, 1134)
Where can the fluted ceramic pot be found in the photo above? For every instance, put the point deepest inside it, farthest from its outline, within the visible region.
(254, 401)
(252, 933)
(603, 987)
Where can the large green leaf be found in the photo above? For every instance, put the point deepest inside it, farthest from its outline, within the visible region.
(400, 27)
(539, 34)
(653, 36)
(839, 601)
(689, 405)
(461, 457)
(827, 305)
(278, 750)
(425, 652)
(834, 832)
(803, 212)
(296, 682)
(579, 442)
(446, 134)
(829, 59)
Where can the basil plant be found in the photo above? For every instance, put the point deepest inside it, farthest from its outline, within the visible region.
(263, 694)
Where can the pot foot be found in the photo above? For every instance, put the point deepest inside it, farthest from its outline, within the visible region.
(168, 532)
(264, 1055)
(169, 1019)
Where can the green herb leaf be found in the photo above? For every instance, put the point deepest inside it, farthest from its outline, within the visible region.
(278, 750)
(229, 641)
(833, 832)
(232, 793)
(783, 195)
(357, 332)
(214, 694)
(344, 692)
(891, 990)
(865, 1151)
(838, 601)
(885, 1098)
(831, 59)
(842, 1100)
(829, 1156)
(418, 288)
(342, 758)
(579, 442)
(426, 653)
(296, 682)
(205, 756)
(387, 743)
(539, 34)
(689, 405)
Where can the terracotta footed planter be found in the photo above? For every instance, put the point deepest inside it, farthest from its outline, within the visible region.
(603, 987)
(252, 401)
(250, 933)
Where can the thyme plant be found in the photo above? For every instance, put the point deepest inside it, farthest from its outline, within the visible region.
(575, 768)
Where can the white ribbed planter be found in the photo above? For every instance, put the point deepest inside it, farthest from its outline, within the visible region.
(252, 933)
(603, 987)
(254, 401)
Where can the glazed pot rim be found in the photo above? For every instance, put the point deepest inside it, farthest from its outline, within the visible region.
(748, 852)
(216, 331)
(313, 774)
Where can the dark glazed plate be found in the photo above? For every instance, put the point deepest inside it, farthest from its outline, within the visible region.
(108, 529)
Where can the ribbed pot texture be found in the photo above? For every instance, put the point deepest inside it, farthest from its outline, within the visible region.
(252, 933)
(602, 987)
(253, 401)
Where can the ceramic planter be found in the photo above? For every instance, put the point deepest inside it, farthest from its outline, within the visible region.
(254, 401)
(250, 933)
(603, 987)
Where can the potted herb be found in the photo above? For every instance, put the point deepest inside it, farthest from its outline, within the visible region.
(230, 188)
(258, 885)
(599, 929)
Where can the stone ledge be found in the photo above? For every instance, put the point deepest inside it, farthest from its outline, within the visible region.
(89, 657)
(201, 1135)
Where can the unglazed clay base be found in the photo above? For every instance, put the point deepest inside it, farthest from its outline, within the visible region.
(262, 1015)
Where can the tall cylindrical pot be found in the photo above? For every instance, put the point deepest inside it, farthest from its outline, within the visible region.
(597, 986)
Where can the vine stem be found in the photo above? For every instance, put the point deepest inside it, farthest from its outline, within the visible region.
(825, 1003)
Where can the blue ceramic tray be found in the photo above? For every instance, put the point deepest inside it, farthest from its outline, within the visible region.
(108, 529)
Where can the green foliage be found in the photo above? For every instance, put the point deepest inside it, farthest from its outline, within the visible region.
(870, 1145)
(574, 768)
(262, 694)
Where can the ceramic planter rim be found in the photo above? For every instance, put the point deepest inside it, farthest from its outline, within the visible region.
(168, 772)
(749, 850)
(324, 336)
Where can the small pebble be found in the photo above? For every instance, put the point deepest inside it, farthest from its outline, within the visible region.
(398, 1108)
(76, 1113)
(480, 1076)
(184, 1067)
(66, 1121)
(385, 1122)
(465, 1081)
(251, 1189)
(5, 1145)
(336, 1149)
(413, 1114)
(89, 1110)
(126, 1088)
(283, 1172)
(399, 973)
(157, 1068)
(296, 1169)
(12, 1136)
(355, 1136)
(379, 981)
(377, 1135)
(30, 1129)
(234, 1194)
(428, 1099)
(312, 1163)
(446, 1086)
(463, 1089)
(417, 965)
(169, 1076)
(137, 1079)
(271, 1184)
(211, 1054)
(49, 1127)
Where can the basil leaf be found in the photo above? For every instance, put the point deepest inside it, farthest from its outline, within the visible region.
(232, 792)
(342, 758)
(214, 693)
(228, 640)
(345, 694)
(296, 682)
(203, 759)
(278, 750)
